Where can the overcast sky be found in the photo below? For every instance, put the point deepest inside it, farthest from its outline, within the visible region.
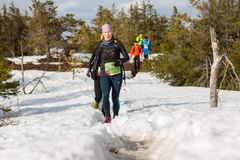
(86, 9)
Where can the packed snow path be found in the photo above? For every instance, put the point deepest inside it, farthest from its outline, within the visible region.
(156, 121)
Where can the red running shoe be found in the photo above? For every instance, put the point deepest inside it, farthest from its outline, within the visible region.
(107, 119)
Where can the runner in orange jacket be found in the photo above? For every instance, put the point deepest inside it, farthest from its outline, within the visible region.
(136, 52)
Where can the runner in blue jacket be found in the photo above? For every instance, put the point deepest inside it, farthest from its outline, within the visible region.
(146, 46)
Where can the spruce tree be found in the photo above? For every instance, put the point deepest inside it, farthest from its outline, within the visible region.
(103, 15)
(224, 17)
(67, 29)
(12, 25)
(84, 38)
(174, 65)
(7, 86)
(123, 30)
(43, 26)
(1, 35)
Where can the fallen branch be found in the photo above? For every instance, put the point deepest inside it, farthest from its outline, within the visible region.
(39, 80)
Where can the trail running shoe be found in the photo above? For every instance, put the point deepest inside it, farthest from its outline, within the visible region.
(107, 119)
(95, 105)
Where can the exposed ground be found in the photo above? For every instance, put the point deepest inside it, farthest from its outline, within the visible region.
(56, 65)
(132, 150)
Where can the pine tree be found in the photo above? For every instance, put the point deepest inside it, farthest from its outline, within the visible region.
(123, 30)
(103, 15)
(43, 26)
(1, 36)
(67, 28)
(7, 86)
(135, 19)
(84, 38)
(173, 66)
(12, 27)
(224, 17)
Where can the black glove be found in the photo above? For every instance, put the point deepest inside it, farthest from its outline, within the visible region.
(88, 73)
(118, 63)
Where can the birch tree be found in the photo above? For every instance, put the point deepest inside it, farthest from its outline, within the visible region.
(217, 58)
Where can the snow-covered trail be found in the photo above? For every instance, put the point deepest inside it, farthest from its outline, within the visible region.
(59, 123)
(156, 121)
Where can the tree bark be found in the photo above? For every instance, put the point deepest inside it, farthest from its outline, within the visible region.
(22, 67)
(217, 57)
(48, 49)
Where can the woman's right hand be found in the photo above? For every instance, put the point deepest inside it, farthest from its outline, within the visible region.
(88, 73)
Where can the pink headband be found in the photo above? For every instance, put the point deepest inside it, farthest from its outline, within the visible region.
(106, 28)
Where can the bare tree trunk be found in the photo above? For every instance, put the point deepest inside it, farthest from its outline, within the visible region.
(48, 48)
(22, 68)
(59, 63)
(73, 73)
(217, 57)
